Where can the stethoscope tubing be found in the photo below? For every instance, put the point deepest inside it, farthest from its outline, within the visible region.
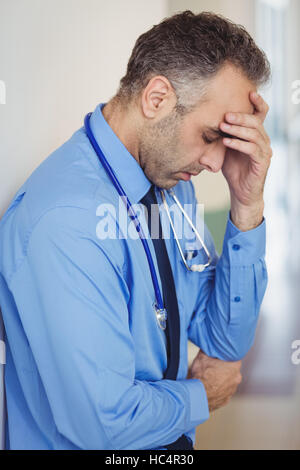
(132, 214)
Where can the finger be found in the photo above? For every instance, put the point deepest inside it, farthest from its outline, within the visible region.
(261, 107)
(245, 133)
(223, 401)
(238, 379)
(249, 148)
(247, 120)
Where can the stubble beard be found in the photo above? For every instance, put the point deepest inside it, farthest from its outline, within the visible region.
(159, 151)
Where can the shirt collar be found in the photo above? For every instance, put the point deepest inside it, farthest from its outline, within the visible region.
(129, 173)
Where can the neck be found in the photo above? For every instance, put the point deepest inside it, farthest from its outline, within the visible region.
(123, 122)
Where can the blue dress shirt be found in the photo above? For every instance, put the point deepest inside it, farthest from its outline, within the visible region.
(85, 354)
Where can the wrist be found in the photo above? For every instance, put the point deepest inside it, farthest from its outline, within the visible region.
(247, 217)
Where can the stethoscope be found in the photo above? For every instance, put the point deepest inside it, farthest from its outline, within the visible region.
(160, 311)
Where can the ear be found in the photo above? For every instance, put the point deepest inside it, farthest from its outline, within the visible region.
(158, 98)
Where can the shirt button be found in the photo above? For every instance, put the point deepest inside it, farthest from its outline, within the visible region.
(236, 247)
(237, 299)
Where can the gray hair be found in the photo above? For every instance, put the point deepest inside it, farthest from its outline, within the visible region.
(189, 50)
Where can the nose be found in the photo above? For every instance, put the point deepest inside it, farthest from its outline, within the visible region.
(213, 157)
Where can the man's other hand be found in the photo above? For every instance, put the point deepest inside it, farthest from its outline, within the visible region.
(220, 378)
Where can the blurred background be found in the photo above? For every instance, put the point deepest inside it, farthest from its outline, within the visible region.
(60, 58)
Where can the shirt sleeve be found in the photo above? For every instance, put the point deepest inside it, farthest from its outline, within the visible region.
(72, 299)
(230, 294)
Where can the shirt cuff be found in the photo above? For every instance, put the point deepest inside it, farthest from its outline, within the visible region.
(199, 410)
(244, 248)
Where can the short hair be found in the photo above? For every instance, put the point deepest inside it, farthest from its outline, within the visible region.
(189, 47)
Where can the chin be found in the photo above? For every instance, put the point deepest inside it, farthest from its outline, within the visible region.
(163, 181)
(167, 184)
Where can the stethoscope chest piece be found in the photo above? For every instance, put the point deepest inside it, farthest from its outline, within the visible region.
(161, 316)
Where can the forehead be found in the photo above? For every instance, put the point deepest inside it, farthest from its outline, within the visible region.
(227, 92)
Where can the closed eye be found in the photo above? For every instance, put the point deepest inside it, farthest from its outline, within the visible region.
(219, 134)
(208, 140)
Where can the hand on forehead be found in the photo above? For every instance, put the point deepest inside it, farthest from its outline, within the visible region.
(229, 91)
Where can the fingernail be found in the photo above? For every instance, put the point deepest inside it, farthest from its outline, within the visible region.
(231, 117)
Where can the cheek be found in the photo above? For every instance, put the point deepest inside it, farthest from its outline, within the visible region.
(197, 152)
(192, 143)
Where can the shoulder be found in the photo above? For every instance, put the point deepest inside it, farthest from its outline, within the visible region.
(59, 198)
(69, 177)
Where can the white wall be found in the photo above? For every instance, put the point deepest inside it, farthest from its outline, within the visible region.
(59, 59)
(239, 11)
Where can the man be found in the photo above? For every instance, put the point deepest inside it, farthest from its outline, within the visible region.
(88, 366)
